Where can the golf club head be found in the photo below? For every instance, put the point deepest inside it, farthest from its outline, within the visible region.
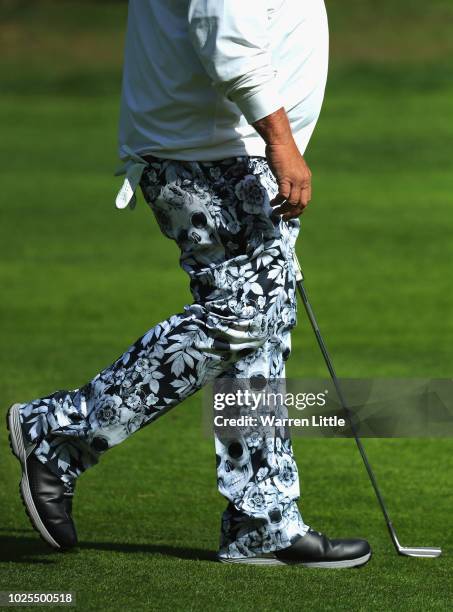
(428, 552)
(421, 551)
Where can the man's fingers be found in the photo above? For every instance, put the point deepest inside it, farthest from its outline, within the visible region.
(289, 211)
(278, 200)
(284, 189)
(296, 212)
(290, 203)
(294, 196)
(283, 208)
(305, 194)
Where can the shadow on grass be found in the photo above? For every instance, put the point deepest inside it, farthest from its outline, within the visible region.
(21, 546)
(196, 554)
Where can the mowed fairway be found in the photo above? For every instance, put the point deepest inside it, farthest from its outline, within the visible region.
(80, 281)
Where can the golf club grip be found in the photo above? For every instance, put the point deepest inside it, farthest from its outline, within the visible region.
(347, 411)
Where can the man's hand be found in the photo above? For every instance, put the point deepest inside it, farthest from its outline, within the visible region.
(287, 164)
(293, 178)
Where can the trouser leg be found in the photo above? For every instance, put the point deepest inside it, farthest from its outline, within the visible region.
(256, 469)
(71, 429)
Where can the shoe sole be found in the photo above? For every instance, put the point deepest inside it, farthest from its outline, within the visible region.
(16, 442)
(274, 561)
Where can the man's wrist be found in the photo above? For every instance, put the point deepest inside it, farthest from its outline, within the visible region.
(275, 129)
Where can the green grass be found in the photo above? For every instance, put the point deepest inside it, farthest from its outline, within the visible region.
(80, 281)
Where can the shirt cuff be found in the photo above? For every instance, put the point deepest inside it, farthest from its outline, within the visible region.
(259, 104)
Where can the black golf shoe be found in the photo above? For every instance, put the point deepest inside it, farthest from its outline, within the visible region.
(47, 499)
(313, 550)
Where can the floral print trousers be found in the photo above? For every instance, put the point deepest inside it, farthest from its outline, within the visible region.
(239, 260)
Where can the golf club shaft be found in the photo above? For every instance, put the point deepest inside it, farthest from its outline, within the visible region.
(336, 382)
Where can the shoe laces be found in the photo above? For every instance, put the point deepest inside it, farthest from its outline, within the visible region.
(316, 531)
(68, 489)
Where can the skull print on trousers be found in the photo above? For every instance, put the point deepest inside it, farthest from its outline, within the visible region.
(239, 260)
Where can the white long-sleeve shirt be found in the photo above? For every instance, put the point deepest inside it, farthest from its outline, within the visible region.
(197, 73)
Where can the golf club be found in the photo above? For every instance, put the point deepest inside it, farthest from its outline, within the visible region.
(407, 551)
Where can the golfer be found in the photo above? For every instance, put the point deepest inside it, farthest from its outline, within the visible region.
(219, 101)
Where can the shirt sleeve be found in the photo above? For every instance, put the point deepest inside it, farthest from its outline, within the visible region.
(231, 39)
